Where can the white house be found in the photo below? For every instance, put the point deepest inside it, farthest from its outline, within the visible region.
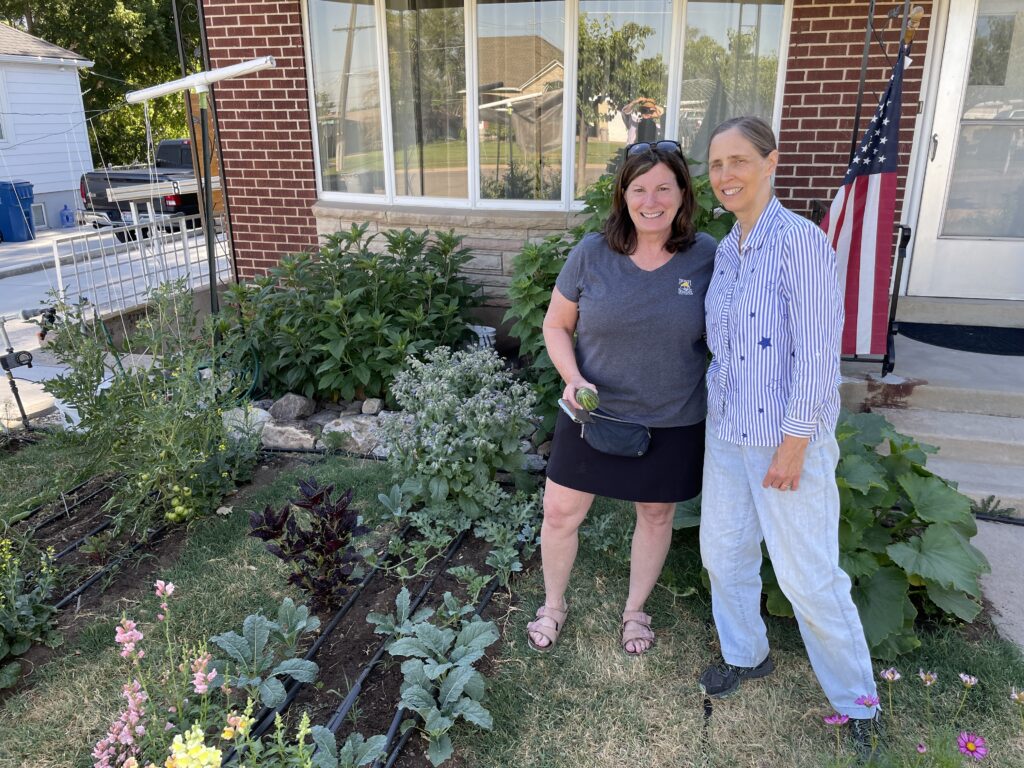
(43, 131)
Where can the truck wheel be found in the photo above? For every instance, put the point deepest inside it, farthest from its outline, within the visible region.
(126, 235)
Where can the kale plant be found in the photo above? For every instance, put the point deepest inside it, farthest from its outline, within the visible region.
(320, 548)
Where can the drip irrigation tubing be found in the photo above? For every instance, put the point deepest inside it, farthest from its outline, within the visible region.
(999, 519)
(111, 566)
(396, 721)
(339, 715)
(82, 539)
(64, 512)
(705, 733)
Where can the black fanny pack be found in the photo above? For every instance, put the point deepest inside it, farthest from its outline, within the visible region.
(613, 436)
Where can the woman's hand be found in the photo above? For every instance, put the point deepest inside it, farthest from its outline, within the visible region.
(569, 395)
(787, 464)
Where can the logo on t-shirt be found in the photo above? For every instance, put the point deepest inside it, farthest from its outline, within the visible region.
(685, 287)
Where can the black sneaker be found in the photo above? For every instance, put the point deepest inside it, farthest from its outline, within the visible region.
(723, 678)
(866, 737)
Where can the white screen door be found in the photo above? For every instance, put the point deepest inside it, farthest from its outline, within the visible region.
(970, 233)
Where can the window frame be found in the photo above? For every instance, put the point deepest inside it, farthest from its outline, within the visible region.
(474, 201)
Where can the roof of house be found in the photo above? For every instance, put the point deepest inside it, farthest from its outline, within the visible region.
(515, 60)
(14, 42)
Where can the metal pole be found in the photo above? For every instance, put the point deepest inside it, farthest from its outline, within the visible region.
(211, 254)
(855, 139)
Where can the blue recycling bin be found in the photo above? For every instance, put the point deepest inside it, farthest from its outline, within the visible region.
(16, 223)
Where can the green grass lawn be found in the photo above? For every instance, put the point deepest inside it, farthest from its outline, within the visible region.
(586, 705)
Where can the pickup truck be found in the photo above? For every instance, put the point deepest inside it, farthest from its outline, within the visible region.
(169, 188)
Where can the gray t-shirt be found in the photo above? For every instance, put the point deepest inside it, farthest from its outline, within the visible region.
(640, 335)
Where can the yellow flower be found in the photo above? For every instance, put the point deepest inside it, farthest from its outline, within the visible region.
(228, 733)
(192, 752)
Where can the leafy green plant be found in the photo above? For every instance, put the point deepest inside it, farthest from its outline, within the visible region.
(462, 421)
(403, 620)
(904, 537)
(160, 424)
(340, 323)
(536, 266)
(256, 664)
(473, 581)
(320, 547)
(439, 681)
(26, 616)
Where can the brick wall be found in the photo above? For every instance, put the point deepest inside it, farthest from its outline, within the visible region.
(264, 124)
(820, 98)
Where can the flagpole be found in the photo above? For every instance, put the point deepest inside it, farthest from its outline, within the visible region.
(863, 78)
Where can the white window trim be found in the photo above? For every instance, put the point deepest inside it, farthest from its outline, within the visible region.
(6, 119)
(474, 201)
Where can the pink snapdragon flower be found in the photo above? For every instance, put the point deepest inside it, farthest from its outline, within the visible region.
(201, 679)
(118, 747)
(127, 635)
(163, 588)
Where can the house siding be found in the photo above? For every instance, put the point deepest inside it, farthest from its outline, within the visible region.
(45, 139)
(265, 130)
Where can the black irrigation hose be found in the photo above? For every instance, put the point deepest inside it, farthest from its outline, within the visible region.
(396, 721)
(705, 733)
(64, 512)
(999, 518)
(339, 715)
(82, 539)
(109, 567)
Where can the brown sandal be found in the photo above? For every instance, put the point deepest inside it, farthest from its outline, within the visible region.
(644, 632)
(550, 633)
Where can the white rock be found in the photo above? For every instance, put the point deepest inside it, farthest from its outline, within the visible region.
(322, 418)
(240, 421)
(534, 463)
(357, 433)
(224, 511)
(287, 437)
(372, 406)
(292, 407)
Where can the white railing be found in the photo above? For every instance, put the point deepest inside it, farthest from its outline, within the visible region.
(117, 273)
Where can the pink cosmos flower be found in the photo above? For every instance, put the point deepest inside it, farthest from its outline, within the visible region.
(972, 744)
(890, 675)
(922, 747)
(836, 719)
(928, 678)
(969, 681)
(867, 701)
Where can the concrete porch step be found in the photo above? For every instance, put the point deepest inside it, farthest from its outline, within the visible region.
(963, 436)
(981, 479)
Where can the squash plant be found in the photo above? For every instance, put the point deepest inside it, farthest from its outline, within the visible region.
(904, 537)
(537, 265)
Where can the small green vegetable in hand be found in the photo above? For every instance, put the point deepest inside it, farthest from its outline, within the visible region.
(587, 398)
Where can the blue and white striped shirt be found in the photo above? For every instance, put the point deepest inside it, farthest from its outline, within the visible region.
(774, 319)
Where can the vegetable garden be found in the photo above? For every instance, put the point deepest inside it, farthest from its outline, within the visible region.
(364, 603)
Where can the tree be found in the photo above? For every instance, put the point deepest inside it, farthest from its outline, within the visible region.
(611, 74)
(133, 46)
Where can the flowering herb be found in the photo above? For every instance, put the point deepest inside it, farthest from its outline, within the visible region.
(972, 745)
(320, 547)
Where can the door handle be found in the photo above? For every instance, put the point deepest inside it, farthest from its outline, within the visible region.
(934, 147)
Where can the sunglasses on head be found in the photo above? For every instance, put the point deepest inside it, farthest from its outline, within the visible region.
(665, 145)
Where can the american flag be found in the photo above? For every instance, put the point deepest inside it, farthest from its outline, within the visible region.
(860, 225)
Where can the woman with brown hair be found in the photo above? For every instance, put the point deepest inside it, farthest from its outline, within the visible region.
(626, 320)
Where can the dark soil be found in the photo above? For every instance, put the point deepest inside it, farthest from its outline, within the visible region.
(341, 658)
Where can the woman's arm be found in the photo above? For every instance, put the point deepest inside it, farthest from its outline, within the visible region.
(559, 327)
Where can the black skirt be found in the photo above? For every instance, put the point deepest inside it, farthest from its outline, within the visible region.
(670, 471)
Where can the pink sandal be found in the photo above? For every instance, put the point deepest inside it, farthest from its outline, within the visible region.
(549, 633)
(643, 632)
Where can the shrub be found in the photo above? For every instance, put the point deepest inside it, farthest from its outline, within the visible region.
(537, 265)
(340, 323)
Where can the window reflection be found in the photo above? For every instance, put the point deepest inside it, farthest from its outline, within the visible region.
(346, 87)
(622, 81)
(730, 66)
(427, 58)
(520, 95)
